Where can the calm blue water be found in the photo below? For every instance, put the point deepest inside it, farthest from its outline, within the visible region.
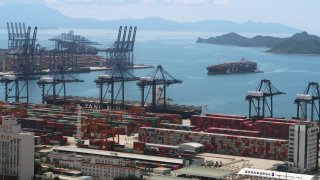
(178, 53)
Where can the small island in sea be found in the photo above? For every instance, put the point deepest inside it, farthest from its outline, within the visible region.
(299, 43)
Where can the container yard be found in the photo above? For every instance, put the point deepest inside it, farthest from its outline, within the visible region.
(51, 124)
(219, 141)
(224, 134)
(265, 127)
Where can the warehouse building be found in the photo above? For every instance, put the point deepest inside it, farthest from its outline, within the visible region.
(106, 164)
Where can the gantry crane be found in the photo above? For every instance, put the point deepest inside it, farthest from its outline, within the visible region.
(24, 66)
(17, 35)
(117, 75)
(263, 94)
(99, 130)
(67, 48)
(311, 96)
(159, 77)
(53, 85)
(121, 51)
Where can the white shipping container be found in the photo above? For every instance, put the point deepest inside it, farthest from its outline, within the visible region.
(9, 77)
(47, 79)
(146, 79)
(105, 76)
(255, 93)
(306, 97)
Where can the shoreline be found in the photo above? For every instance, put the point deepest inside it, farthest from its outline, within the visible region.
(136, 66)
(92, 69)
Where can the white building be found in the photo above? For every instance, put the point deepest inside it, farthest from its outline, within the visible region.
(105, 165)
(107, 172)
(98, 166)
(303, 147)
(191, 147)
(16, 151)
(266, 174)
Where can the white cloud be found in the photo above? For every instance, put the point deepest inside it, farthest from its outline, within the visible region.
(19, 1)
(221, 2)
(97, 1)
(51, 1)
(184, 2)
(190, 2)
(92, 2)
(118, 2)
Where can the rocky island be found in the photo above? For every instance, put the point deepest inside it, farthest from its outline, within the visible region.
(299, 43)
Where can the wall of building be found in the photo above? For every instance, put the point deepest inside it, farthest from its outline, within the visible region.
(16, 150)
(107, 172)
(26, 156)
(303, 147)
(100, 168)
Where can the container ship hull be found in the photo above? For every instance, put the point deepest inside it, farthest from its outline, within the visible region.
(93, 103)
(242, 66)
(185, 111)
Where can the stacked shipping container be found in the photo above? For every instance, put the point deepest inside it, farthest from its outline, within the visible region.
(219, 143)
(43, 119)
(239, 125)
(233, 132)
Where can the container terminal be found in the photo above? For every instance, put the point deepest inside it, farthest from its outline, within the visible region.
(120, 140)
(137, 142)
(71, 52)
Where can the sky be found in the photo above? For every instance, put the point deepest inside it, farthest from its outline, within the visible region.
(301, 14)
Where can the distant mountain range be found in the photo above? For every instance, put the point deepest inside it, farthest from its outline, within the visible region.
(44, 17)
(299, 43)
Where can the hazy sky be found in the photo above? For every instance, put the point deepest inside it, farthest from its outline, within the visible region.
(302, 14)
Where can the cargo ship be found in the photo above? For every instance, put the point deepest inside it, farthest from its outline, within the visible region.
(93, 103)
(183, 110)
(241, 66)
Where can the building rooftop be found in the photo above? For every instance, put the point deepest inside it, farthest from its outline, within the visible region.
(193, 144)
(273, 174)
(118, 154)
(166, 178)
(207, 172)
(162, 145)
(239, 162)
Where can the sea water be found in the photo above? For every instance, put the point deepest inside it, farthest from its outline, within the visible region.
(186, 60)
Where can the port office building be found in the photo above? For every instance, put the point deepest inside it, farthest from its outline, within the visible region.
(16, 151)
(303, 151)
